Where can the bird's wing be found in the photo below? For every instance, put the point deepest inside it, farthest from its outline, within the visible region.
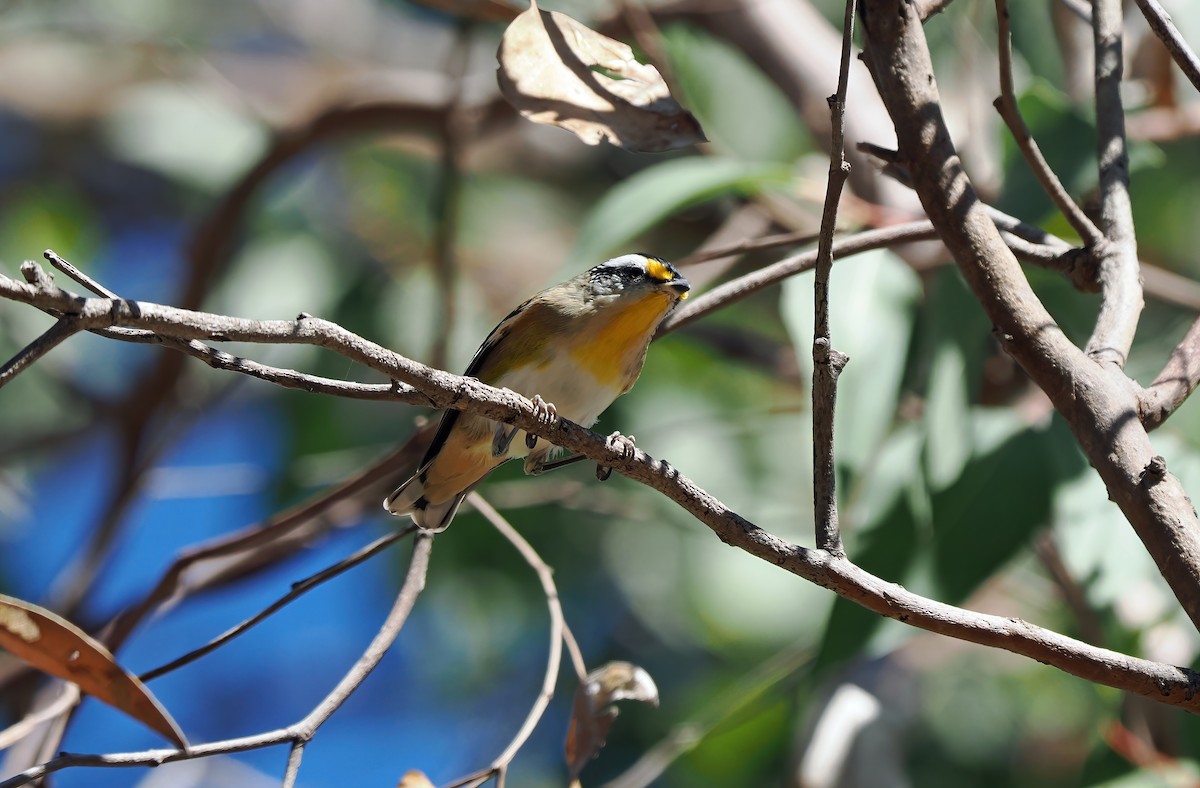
(478, 363)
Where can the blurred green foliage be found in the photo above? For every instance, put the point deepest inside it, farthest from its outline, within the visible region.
(950, 467)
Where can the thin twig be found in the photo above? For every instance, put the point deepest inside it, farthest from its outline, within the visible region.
(292, 771)
(1163, 27)
(1167, 684)
(299, 589)
(730, 292)
(1175, 383)
(60, 332)
(79, 276)
(748, 245)
(301, 731)
(1006, 105)
(687, 735)
(828, 362)
(558, 626)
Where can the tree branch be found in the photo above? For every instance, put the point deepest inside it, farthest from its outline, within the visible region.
(1120, 282)
(558, 629)
(1006, 105)
(828, 362)
(1096, 400)
(299, 589)
(1164, 28)
(1175, 383)
(1173, 686)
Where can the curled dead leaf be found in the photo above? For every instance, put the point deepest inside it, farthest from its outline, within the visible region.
(555, 70)
(56, 646)
(594, 709)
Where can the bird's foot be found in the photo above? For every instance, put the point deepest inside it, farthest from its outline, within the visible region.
(624, 445)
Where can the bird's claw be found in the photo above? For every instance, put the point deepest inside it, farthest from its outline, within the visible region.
(543, 411)
(624, 445)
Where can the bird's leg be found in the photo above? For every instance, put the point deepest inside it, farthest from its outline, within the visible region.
(502, 439)
(539, 467)
(624, 445)
(543, 411)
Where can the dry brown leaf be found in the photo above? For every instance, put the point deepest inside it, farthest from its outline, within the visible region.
(414, 778)
(56, 646)
(555, 70)
(594, 711)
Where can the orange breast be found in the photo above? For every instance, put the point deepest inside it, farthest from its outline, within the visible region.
(614, 347)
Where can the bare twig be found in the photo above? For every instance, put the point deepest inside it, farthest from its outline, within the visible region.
(1164, 28)
(558, 630)
(299, 589)
(299, 732)
(737, 289)
(256, 545)
(1006, 105)
(292, 771)
(749, 245)
(1175, 383)
(828, 362)
(1121, 287)
(60, 332)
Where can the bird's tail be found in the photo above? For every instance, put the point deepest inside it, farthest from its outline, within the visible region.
(409, 498)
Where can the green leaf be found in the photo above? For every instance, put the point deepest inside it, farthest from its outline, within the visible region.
(656, 193)
(723, 87)
(1004, 495)
(958, 335)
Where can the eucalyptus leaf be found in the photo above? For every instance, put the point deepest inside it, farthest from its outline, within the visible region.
(645, 199)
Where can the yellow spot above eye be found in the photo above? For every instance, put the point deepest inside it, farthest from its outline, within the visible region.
(658, 270)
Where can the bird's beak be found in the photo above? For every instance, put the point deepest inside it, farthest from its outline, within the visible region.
(680, 286)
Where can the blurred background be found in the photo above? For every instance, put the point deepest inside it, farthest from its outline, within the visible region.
(354, 160)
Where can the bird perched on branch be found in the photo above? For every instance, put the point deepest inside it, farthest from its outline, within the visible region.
(572, 349)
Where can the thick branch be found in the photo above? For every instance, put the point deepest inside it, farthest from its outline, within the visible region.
(1096, 400)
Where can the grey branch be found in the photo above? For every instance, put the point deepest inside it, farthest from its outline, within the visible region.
(1120, 280)
(827, 362)
(1097, 400)
(1175, 383)
(1006, 105)
(1164, 28)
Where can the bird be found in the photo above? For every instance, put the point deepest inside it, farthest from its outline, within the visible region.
(572, 349)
